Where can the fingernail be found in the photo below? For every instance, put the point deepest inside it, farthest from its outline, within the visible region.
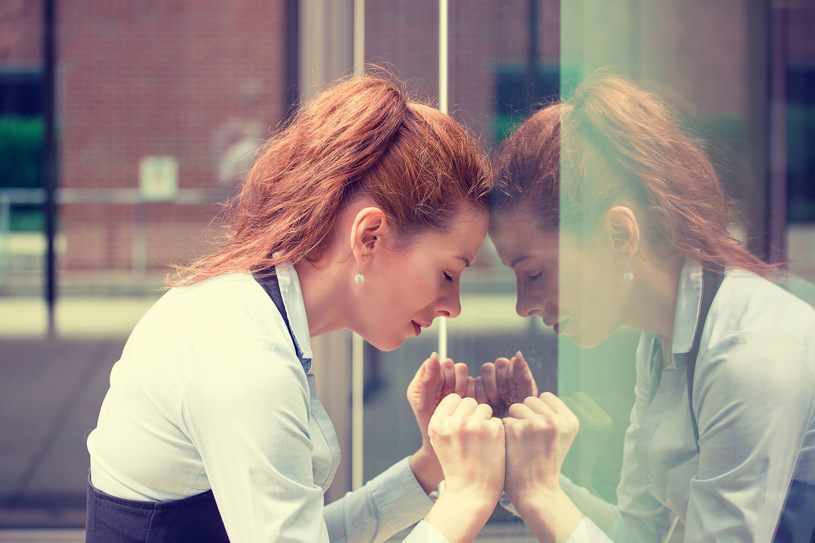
(434, 354)
(519, 354)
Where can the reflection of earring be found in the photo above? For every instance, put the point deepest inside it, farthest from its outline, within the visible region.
(628, 276)
(359, 278)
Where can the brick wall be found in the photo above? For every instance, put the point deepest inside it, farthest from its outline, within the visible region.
(184, 78)
(403, 34)
(20, 33)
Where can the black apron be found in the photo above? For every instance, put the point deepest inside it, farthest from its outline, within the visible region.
(192, 520)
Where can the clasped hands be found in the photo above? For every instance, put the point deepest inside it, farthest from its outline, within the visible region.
(492, 433)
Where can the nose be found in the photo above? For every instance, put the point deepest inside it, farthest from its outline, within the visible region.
(525, 306)
(533, 300)
(449, 304)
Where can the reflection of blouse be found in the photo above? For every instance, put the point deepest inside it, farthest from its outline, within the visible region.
(210, 394)
(754, 400)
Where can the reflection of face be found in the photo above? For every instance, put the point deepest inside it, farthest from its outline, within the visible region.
(406, 289)
(576, 288)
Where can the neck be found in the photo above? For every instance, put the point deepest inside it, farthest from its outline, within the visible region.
(324, 286)
(655, 295)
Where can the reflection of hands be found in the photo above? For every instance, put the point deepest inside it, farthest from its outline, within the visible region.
(595, 424)
(539, 432)
(504, 382)
(433, 381)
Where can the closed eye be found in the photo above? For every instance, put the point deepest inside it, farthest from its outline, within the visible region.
(535, 276)
(448, 277)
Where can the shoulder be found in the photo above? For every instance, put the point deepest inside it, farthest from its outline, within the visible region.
(226, 323)
(758, 340)
(227, 307)
(750, 306)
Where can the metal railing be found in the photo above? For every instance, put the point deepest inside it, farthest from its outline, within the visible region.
(130, 196)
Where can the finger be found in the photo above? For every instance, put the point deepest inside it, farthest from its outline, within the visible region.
(431, 382)
(471, 387)
(522, 377)
(448, 405)
(480, 395)
(461, 379)
(449, 373)
(483, 411)
(520, 411)
(466, 407)
(538, 406)
(501, 370)
(555, 404)
(488, 377)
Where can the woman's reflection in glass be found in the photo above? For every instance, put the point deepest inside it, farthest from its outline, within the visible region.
(611, 216)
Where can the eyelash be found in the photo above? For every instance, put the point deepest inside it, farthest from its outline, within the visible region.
(447, 277)
(536, 276)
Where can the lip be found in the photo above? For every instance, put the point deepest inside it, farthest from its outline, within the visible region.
(556, 325)
(417, 327)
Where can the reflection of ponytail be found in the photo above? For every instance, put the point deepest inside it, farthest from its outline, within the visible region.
(612, 143)
(360, 137)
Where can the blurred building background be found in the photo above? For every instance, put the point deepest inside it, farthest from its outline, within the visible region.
(159, 106)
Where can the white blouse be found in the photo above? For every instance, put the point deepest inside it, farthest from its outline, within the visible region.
(209, 394)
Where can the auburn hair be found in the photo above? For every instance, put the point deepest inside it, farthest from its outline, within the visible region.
(613, 143)
(361, 137)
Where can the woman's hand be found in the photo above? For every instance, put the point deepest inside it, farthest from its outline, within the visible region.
(433, 381)
(505, 382)
(539, 432)
(470, 446)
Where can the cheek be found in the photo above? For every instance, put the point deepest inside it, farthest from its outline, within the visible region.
(412, 290)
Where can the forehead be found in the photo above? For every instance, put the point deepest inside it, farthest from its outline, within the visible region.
(517, 236)
(464, 234)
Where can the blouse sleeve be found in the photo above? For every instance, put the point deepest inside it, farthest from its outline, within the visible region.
(386, 505)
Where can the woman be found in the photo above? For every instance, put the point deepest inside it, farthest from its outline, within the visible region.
(610, 216)
(362, 213)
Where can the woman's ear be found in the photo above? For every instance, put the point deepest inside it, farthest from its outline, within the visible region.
(624, 231)
(367, 231)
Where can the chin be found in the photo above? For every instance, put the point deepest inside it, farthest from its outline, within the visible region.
(588, 342)
(385, 345)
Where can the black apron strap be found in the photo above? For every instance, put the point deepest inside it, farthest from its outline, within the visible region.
(711, 280)
(268, 280)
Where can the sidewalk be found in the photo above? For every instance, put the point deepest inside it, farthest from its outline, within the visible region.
(50, 392)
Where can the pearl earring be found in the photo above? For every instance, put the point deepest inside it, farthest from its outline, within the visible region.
(628, 276)
(359, 278)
